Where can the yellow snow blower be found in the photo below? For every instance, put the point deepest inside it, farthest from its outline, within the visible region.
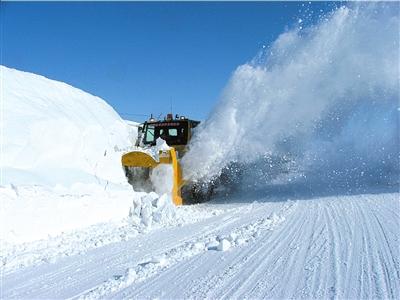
(140, 163)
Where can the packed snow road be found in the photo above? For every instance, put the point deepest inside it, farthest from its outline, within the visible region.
(344, 247)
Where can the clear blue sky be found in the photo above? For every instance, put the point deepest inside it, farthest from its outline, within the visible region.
(141, 56)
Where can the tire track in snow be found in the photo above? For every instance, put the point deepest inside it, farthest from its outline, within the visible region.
(371, 274)
(149, 269)
(329, 286)
(326, 248)
(387, 269)
(248, 229)
(191, 285)
(317, 249)
(274, 252)
(248, 273)
(390, 252)
(359, 233)
(349, 247)
(79, 271)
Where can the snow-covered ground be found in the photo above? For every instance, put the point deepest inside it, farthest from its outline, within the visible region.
(329, 247)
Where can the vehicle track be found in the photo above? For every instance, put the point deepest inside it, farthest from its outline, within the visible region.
(333, 247)
(327, 248)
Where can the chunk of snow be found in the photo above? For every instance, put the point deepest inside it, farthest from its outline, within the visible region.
(130, 276)
(159, 260)
(232, 237)
(150, 208)
(240, 241)
(162, 144)
(198, 246)
(223, 245)
(146, 211)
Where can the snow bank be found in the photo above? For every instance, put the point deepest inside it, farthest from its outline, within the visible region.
(30, 213)
(60, 158)
(319, 105)
(53, 131)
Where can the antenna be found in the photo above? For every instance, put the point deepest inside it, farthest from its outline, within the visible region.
(170, 102)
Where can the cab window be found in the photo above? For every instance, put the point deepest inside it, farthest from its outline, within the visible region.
(149, 137)
(172, 132)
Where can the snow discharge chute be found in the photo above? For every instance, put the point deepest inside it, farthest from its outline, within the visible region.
(320, 105)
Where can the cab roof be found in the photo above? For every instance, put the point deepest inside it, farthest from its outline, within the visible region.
(170, 121)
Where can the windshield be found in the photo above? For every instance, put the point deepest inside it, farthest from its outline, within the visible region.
(173, 133)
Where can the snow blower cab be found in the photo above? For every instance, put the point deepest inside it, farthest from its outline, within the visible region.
(176, 132)
(159, 146)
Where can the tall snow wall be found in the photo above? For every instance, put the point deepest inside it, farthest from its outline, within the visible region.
(53, 133)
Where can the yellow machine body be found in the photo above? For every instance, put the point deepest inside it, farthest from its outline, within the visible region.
(145, 160)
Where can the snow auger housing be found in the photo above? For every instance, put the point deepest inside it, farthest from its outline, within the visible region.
(138, 164)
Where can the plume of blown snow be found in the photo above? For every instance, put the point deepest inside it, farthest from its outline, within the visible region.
(320, 103)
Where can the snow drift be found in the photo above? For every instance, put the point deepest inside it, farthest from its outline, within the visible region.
(60, 158)
(320, 105)
(54, 133)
